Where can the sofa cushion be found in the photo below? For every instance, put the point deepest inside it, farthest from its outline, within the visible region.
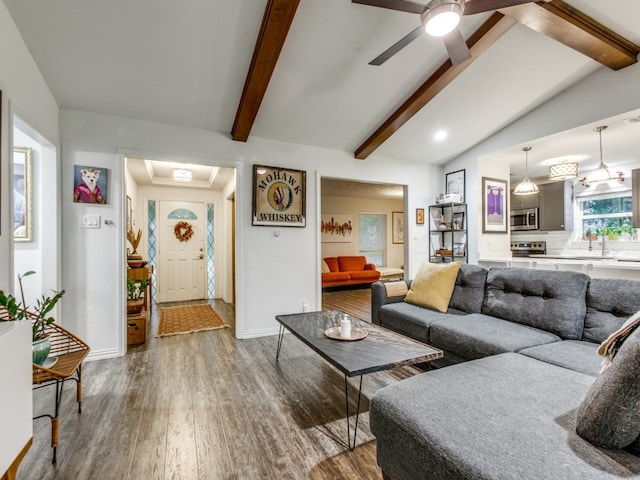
(572, 354)
(468, 293)
(555, 302)
(411, 320)
(609, 415)
(433, 285)
(476, 335)
(609, 303)
(368, 275)
(336, 277)
(350, 264)
(506, 416)
(332, 263)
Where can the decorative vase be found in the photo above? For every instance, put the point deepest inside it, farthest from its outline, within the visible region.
(41, 349)
(134, 307)
(134, 260)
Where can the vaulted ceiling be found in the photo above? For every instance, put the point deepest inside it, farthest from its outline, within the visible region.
(187, 63)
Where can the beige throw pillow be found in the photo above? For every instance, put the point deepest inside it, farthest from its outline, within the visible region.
(325, 267)
(433, 285)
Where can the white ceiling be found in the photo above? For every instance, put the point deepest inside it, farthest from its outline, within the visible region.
(160, 173)
(185, 63)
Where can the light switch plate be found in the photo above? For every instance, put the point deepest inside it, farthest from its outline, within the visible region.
(90, 221)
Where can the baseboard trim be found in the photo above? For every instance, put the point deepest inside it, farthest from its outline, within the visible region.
(103, 354)
(259, 333)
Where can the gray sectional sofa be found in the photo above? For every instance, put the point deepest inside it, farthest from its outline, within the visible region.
(520, 356)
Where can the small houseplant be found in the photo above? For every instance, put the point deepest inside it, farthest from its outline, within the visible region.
(135, 291)
(39, 315)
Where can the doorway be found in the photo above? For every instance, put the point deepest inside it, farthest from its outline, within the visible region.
(35, 209)
(167, 211)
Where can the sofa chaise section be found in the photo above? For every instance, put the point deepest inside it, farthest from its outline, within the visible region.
(501, 417)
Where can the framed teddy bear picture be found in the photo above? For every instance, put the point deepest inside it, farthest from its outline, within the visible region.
(90, 184)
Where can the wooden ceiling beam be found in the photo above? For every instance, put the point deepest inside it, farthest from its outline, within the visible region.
(481, 40)
(277, 19)
(560, 21)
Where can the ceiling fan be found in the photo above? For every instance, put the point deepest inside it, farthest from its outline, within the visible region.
(440, 19)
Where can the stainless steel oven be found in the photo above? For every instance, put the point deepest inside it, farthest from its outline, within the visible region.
(525, 248)
(525, 219)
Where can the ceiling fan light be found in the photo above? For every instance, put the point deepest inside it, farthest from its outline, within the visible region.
(182, 175)
(442, 19)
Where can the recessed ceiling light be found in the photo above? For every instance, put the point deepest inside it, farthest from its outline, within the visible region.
(182, 175)
(440, 135)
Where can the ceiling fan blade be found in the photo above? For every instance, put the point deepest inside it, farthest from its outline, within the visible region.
(396, 47)
(457, 47)
(479, 6)
(400, 5)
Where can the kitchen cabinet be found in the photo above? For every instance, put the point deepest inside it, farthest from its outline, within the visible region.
(448, 233)
(519, 202)
(556, 206)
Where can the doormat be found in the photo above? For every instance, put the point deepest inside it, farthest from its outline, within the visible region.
(188, 319)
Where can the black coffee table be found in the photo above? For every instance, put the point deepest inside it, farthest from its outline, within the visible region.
(380, 350)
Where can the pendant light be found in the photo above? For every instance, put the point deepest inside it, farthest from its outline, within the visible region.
(602, 173)
(526, 187)
(563, 171)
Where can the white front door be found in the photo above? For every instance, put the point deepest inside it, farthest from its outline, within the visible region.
(181, 264)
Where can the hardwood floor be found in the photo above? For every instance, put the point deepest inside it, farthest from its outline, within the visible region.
(356, 302)
(208, 406)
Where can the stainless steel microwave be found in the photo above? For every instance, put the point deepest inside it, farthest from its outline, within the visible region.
(525, 219)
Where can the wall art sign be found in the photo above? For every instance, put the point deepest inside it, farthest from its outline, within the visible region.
(279, 197)
(494, 205)
(90, 184)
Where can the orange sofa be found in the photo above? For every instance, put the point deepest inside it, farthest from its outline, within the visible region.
(348, 270)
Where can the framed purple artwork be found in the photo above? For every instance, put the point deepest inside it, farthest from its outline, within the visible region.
(494, 205)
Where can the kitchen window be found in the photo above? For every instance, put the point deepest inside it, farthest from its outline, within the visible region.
(609, 214)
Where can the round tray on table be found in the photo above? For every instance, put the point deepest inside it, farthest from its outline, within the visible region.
(356, 334)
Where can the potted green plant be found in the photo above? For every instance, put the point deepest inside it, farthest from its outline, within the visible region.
(135, 292)
(38, 314)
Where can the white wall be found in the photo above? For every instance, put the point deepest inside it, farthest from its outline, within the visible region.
(602, 94)
(274, 274)
(16, 426)
(354, 206)
(25, 92)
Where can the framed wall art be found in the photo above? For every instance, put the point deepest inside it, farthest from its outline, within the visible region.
(494, 205)
(419, 216)
(22, 194)
(455, 183)
(397, 226)
(279, 197)
(336, 228)
(90, 185)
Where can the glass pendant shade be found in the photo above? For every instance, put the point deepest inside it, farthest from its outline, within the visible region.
(442, 17)
(526, 187)
(563, 171)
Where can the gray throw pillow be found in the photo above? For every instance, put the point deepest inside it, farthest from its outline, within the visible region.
(609, 415)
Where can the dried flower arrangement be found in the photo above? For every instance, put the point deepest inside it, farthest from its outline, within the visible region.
(134, 239)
